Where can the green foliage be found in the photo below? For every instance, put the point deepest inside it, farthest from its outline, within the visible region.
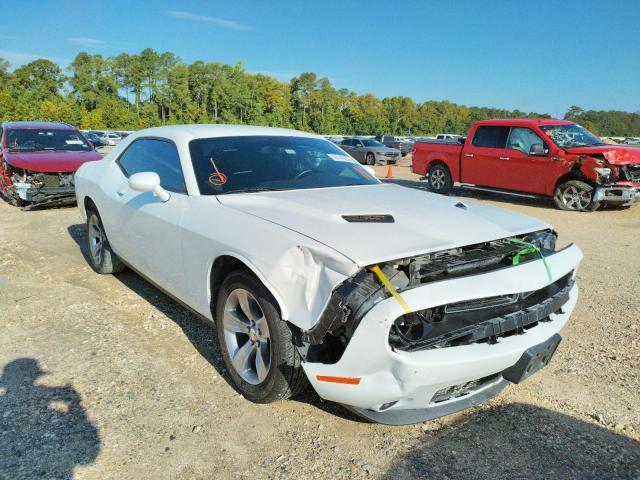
(134, 91)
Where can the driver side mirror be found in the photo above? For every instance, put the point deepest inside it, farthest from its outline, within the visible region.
(537, 150)
(149, 182)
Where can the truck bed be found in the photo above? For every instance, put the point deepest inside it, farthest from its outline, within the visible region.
(424, 152)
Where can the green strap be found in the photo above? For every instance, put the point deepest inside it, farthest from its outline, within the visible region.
(529, 248)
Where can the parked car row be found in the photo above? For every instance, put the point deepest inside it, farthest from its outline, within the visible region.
(106, 137)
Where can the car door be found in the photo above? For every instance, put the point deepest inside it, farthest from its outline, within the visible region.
(529, 173)
(485, 160)
(358, 150)
(149, 231)
(348, 146)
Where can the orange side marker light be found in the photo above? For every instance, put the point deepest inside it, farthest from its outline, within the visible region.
(344, 380)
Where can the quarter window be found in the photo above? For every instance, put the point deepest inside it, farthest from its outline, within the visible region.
(490, 137)
(153, 155)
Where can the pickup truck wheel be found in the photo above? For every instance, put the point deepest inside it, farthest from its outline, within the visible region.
(440, 179)
(101, 257)
(370, 159)
(575, 195)
(256, 344)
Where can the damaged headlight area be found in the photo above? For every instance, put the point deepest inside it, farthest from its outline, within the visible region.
(355, 297)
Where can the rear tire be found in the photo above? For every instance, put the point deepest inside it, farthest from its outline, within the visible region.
(101, 257)
(575, 195)
(440, 179)
(256, 344)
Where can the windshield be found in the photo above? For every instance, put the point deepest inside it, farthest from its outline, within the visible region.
(569, 136)
(372, 143)
(35, 139)
(257, 163)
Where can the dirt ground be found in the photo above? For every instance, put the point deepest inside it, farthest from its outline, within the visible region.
(106, 377)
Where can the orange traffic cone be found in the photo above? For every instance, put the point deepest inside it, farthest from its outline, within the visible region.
(389, 171)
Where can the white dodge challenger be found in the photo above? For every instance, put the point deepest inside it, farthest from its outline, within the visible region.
(400, 304)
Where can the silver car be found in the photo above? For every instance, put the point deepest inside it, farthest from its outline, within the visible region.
(369, 151)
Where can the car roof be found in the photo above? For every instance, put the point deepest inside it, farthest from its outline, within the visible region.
(36, 125)
(524, 121)
(192, 132)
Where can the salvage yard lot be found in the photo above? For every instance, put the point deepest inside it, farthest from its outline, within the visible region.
(135, 386)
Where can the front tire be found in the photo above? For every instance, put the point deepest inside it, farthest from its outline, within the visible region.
(576, 196)
(370, 159)
(101, 257)
(256, 344)
(440, 179)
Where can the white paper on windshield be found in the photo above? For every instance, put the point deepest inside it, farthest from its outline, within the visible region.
(74, 142)
(339, 158)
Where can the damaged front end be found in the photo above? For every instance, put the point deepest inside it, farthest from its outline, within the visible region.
(37, 189)
(479, 320)
(616, 182)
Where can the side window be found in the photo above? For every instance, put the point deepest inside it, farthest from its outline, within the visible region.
(357, 143)
(490, 137)
(522, 138)
(159, 156)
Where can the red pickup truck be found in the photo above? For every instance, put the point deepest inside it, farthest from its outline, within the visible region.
(553, 158)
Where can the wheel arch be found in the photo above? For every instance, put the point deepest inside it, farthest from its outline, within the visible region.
(571, 175)
(227, 262)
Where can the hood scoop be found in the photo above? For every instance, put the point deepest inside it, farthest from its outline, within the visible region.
(369, 218)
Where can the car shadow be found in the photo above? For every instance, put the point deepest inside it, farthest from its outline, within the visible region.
(517, 441)
(44, 431)
(200, 333)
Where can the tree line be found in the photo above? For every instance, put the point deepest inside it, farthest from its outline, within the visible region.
(134, 91)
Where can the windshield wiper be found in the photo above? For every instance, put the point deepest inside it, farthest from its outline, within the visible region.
(252, 190)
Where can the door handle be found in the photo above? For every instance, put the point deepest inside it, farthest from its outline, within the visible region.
(121, 191)
(504, 158)
(468, 155)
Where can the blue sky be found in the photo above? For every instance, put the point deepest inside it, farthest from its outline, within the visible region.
(533, 55)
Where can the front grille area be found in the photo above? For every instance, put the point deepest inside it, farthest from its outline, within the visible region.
(630, 173)
(483, 320)
(54, 180)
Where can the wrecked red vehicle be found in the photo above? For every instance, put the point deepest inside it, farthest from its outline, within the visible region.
(38, 162)
(534, 157)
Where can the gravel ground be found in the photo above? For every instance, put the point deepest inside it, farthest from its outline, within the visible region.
(106, 377)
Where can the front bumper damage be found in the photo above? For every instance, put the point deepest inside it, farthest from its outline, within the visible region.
(44, 189)
(619, 194)
(399, 385)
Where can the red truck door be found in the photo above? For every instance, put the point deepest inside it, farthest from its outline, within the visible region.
(530, 171)
(485, 158)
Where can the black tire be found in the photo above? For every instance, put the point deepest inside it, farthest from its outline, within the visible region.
(370, 159)
(575, 195)
(439, 178)
(285, 377)
(106, 262)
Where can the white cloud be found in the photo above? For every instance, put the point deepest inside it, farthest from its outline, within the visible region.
(20, 58)
(212, 20)
(86, 41)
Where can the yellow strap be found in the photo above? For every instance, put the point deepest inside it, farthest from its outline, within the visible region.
(385, 281)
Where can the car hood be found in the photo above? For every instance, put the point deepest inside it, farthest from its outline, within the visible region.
(615, 154)
(423, 222)
(50, 162)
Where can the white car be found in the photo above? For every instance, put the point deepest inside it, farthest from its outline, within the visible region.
(400, 304)
(110, 138)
